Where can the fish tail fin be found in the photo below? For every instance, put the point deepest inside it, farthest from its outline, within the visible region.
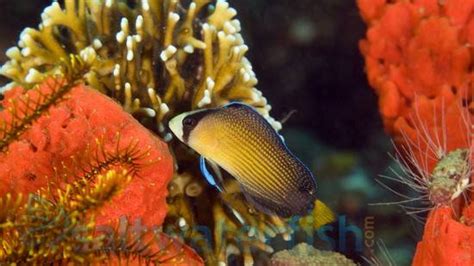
(322, 214)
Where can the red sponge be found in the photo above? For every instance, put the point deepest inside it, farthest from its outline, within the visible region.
(81, 131)
(445, 241)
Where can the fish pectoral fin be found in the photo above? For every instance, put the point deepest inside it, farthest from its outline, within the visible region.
(209, 177)
(264, 204)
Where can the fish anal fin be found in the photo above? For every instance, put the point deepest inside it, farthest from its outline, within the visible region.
(265, 205)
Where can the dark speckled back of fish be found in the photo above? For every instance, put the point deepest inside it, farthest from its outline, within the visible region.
(242, 142)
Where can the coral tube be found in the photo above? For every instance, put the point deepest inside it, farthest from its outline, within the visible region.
(418, 57)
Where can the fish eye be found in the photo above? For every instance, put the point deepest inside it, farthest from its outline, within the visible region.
(189, 122)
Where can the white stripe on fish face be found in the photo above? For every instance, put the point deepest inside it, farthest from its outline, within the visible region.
(176, 125)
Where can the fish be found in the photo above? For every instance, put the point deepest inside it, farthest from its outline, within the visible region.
(241, 141)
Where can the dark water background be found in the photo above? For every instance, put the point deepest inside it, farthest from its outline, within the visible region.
(306, 57)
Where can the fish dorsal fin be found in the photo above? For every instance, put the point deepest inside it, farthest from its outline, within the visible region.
(265, 205)
(209, 177)
(236, 104)
(282, 138)
(248, 108)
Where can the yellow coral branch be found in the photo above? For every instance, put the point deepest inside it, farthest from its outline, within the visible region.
(157, 58)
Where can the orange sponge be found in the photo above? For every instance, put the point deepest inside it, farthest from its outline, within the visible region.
(57, 139)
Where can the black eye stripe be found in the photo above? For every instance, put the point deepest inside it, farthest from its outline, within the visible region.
(191, 121)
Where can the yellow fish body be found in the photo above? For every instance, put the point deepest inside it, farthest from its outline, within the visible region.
(239, 140)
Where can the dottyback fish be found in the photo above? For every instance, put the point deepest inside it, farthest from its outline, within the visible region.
(239, 140)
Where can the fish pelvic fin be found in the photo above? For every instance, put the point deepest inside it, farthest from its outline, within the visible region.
(265, 205)
(209, 177)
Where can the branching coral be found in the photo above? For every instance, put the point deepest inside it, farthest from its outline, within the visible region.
(418, 56)
(157, 58)
(160, 58)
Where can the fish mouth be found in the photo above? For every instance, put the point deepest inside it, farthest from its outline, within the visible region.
(176, 125)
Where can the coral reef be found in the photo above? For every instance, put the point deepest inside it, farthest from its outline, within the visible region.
(157, 58)
(418, 58)
(304, 254)
(85, 179)
(26, 229)
(160, 58)
(58, 226)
